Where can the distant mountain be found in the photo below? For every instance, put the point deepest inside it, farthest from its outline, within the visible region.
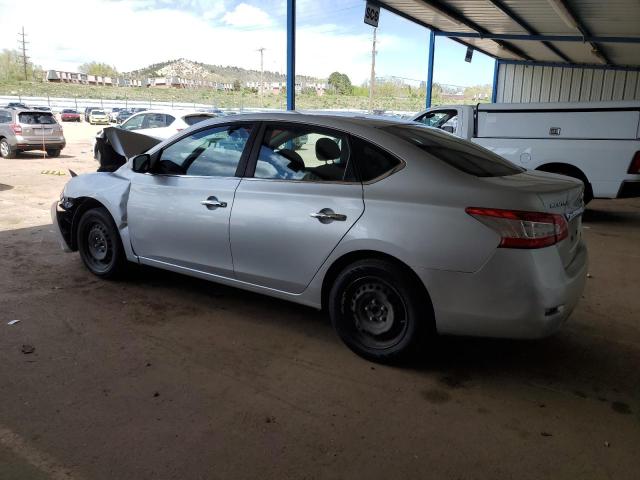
(216, 73)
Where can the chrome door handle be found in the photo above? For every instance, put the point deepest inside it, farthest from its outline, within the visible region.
(326, 215)
(213, 202)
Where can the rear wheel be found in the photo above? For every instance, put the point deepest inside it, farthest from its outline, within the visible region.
(378, 310)
(6, 150)
(99, 244)
(573, 173)
(53, 153)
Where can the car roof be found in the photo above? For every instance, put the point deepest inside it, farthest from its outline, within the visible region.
(329, 120)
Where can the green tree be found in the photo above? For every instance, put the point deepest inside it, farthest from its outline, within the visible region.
(340, 83)
(236, 85)
(96, 68)
(12, 68)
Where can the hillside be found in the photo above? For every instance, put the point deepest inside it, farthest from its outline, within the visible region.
(201, 71)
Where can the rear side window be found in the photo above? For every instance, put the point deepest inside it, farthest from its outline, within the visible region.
(465, 156)
(193, 119)
(5, 117)
(36, 118)
(372, 162)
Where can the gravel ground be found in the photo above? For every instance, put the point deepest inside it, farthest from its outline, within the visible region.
(163, 376)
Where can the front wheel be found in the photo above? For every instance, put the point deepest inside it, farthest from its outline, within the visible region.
(100, 245)
(378, 310)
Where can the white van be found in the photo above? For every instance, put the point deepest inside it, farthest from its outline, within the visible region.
(598, 143)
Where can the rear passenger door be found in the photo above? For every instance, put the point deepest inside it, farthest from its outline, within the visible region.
(299, 198)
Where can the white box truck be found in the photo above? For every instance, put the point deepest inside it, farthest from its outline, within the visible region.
(598, 143)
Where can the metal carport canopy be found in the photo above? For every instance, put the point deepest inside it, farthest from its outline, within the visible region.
(567, 32)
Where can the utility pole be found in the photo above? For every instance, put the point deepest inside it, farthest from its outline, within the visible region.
(372, 80)
(23, 47)
(261, 50)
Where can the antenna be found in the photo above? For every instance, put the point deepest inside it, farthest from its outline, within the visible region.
(23, 47)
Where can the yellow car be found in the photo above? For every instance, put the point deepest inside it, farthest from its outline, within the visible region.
(98, 117)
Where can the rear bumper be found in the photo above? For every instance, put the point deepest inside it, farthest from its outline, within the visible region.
(55, 143)
(516, 294)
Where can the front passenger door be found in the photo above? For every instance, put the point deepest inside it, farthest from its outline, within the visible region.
(179, 213)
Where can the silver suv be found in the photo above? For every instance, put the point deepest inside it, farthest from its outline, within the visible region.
(22, 130)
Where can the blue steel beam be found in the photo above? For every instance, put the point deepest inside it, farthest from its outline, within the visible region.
(494, 90)
(432, 48)
(291, 54)
(537, 38)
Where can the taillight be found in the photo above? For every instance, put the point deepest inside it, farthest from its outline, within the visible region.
(17, 129)
(519, 229)
(635, 164)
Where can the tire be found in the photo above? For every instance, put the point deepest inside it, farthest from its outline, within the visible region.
(53, 153)
(6, 150)
(378, 310)
(588, 189)
(100, 245)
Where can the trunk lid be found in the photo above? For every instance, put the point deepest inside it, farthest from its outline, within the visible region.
(557, 194)
(38, 126)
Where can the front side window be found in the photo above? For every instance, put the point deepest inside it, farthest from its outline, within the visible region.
(134, 123)
(305, 154)
(213, 152)
(446, 120)
(463, 155)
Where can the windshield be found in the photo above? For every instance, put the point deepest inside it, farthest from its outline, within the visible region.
(36, 118)
(97, 112)
(464, 156)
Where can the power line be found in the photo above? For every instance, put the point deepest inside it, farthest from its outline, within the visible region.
(23, 46)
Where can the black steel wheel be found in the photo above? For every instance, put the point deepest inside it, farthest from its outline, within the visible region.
(99, 244)
(378, 310)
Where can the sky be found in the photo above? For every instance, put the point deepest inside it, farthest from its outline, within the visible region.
(331, 36)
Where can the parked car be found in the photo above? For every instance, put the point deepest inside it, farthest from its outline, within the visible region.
(87, 111)
(123, 115)
(164, 123)
(24, 130)
(597, 143)
(397, 230)
(19, 105)
(98, 117)
(69, 115)
(113, 114)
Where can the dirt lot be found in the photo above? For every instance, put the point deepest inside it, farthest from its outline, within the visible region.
(162, 376)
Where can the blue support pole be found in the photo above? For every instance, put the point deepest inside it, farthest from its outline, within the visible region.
(291, 54)
(432, 47)
(494, 90)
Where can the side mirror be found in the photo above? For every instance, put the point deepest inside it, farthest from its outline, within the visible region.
(448, 128)
(141, 163)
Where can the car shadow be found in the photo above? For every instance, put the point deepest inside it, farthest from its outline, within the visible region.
(582, 360)
(38, 155)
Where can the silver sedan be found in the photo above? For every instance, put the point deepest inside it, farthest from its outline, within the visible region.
(399, 231)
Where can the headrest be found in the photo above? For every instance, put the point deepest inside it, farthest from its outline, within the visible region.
(327, 149)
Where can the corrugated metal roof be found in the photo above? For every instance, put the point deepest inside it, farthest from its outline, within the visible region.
(597, 18)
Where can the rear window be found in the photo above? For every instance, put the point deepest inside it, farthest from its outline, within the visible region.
(464, 156)
(193, 119)
(36, 118)
(69, 111)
